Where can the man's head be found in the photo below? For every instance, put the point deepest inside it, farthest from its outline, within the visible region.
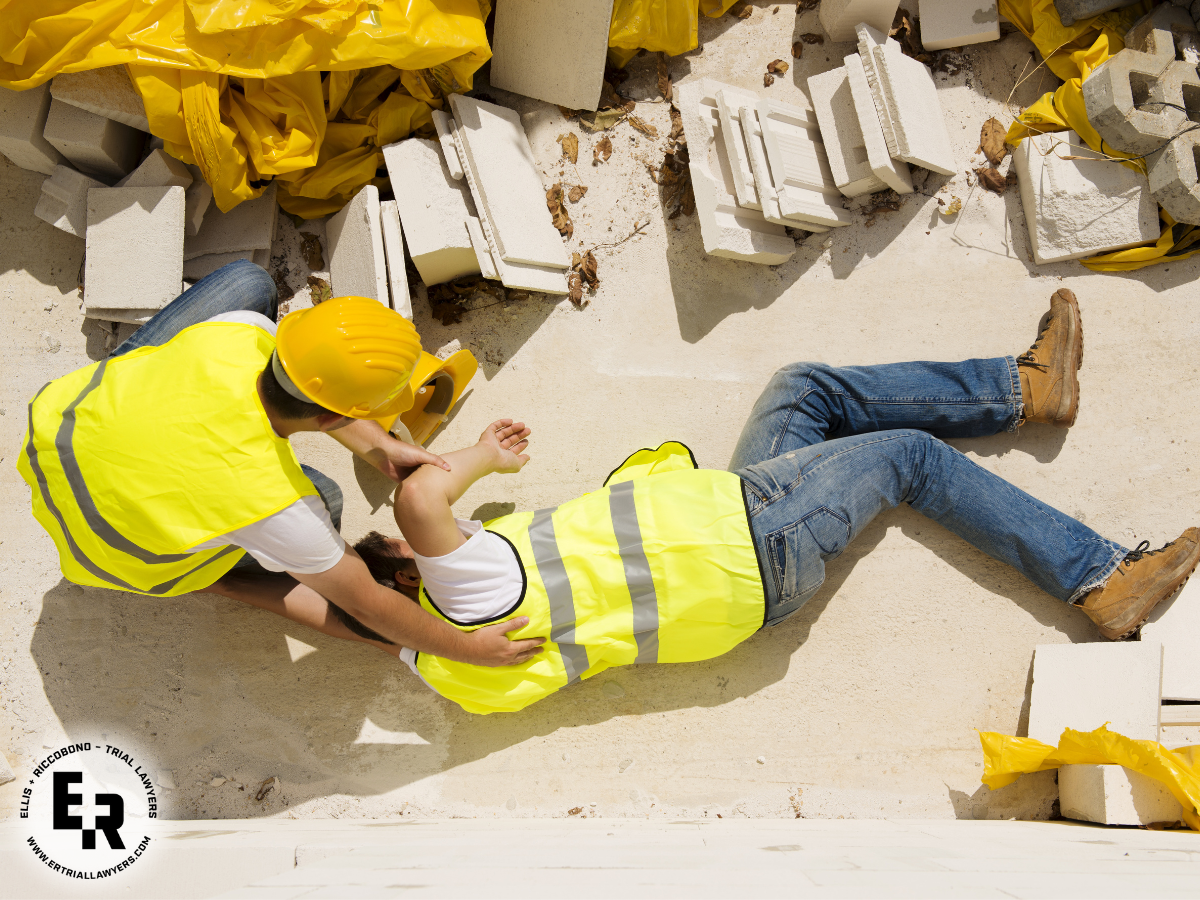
(390, 562)
(281, 405)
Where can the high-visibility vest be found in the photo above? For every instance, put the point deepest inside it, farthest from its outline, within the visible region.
(135, 459)
(659, 566)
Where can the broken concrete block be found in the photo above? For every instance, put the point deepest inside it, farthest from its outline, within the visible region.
(127, 316)
(483, 253)
(1115, 795)
(727, 229)
(956, 23)
(393, 251)
(1083, 686)
(199, 196)
(1176, 623)
(433, 209)
(248, 226)
(892, 172)
(841, 134)
(906, 99)
(202, 266)
(134, 255)
(354, 241)
(94, 145)
(107, 92)
(799, 166)
(552, 51)
(840, 18)
(63, 202)
(1071, 11)
(1131, 97)
(1079, 207)
(159, 169)
(1175, 177)
(506, 185)
(22, 121)
(445, 131)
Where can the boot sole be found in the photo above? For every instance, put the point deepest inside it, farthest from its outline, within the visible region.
(1068, 409)
(1171, 590)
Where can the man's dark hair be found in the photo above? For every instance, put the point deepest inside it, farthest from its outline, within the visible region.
(284, 404)
(382, 561)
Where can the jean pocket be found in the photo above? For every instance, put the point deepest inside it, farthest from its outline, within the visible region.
(830, 531)
(796, 556)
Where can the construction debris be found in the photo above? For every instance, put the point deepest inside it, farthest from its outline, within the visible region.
(1115, 795)
(357, 266)
(158, 170)
(107, 92)
(1176, 624)
(64, 198)
(840, 18)
(956, 23)
(22, 126)
(248, 226)
(94, 145)
(891, 171)
(842, 134)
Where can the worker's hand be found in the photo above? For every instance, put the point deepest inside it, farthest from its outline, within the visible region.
(492, 647)
(506, 440)
(397, 459)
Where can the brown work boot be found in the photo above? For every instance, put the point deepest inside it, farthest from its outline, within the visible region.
(1049, 385)
(1143, 580)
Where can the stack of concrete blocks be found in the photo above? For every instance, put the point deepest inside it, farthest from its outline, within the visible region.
(552, 51)
(106, 92)
(1080, 206)
(840, 18)
(1084, 686)
(359, 258)
(1143, 100)
(245, 232)
(22, 126)
(956, 23)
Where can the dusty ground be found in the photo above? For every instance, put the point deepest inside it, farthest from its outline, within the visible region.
(865, 704)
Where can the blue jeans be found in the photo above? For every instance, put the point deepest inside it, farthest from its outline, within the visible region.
(241, 285)
(826, 449)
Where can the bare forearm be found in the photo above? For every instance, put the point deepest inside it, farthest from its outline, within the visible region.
(466, 467)
(362, 437)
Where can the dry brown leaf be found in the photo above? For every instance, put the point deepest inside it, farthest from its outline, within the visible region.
(574, 810)
(554, 203)
(676, 136)
(575, 288)
(883, 201)
(576, 193)
(570, 146)
(576, 260)
(991, 141)
(797, 49)
(602, 151)
(587, 269)
(991, 180)
(310, 249)
(806, 5)
(907, 32)
(319, 290)
(742, 9)
(768, 80)
(777, 67)
(609, 98)
(566, 113)
(664, 77)
(675, 178)
(810, 37)
(604, 119)
(643, 126)
(281, 286)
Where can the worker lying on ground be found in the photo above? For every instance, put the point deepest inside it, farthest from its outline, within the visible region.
(166, 465)
(669, 563)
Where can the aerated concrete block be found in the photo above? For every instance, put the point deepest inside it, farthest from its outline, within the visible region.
(1071, 11)
(159, 169)
(799, 174)
(134, 256)
(1079, 207)
(483, 253)
(354, 239)
(1176, 623)
(199, 196)
(844, 144)
(956, 23)
(433, 209)
(95, 145)
(1084, 686)
(1115, 795)
(892, 172)
(248, 226)
(22, 121)
(552, 51)
(840, 18)
(63, 202)
(393, 251)
(202, 266)
(107, 92)
(444, 124)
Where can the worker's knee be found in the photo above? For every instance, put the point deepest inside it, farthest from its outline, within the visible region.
(253, 287)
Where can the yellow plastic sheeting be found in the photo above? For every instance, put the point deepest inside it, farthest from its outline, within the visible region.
(671, 26)
(1178, 241)
(1006, 757)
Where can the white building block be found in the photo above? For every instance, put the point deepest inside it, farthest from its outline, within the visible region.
(248, 226)
(93, 144)
(799, 166)
(845, 147)
(727, 229)
(199, 196)
(892, 172)
(63, 202)
(433, 209)
(1176, 623)
(552, 51)
(445, 131)
(1115, 795)
(1083, 686)
(1078, 207)
(202, 266)
(158, 169)
(483, 253)
(128, 316)
(134, 256)
(729, 103)
(22, 121)
(393, 251)
(956, 23)
(354, 239)
(107, 92)
(839, 18)
(906, 98)
(505, 182)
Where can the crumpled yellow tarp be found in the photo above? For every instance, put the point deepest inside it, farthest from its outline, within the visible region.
(1006, 757)
(671, 26)
(1072, 53)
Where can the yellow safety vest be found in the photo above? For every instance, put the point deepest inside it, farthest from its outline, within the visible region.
(135, 459)
(658, 566)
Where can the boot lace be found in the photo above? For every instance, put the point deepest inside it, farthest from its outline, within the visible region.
(1140, 552)
(1027, 358)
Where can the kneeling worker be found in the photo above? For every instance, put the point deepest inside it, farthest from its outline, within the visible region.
(158, 469)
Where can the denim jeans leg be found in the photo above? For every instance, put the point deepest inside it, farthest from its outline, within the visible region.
(806, 403)
(808, 504)
(241, 285)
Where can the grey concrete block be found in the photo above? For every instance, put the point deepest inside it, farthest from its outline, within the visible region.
(1176, 623)
(393, 251)
(248, 226)
(1071, 11)
(95, 145)
(158, 169)
(956, 23)
(63, 202)
(354, 240)
(202, 266)
(107, 92)
(22, 121)
(134, 257)
(1175, 177)
(1115, 795)
(841, 133)
(199, 196)
(839, 18)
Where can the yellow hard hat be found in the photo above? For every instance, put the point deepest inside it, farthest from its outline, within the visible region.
(351, 355)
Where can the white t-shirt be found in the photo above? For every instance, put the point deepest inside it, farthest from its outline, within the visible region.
(299, 538)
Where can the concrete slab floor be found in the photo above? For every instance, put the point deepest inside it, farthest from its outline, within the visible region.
(865, 704)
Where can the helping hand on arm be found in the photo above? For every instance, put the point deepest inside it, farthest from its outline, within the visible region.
(394, 458)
